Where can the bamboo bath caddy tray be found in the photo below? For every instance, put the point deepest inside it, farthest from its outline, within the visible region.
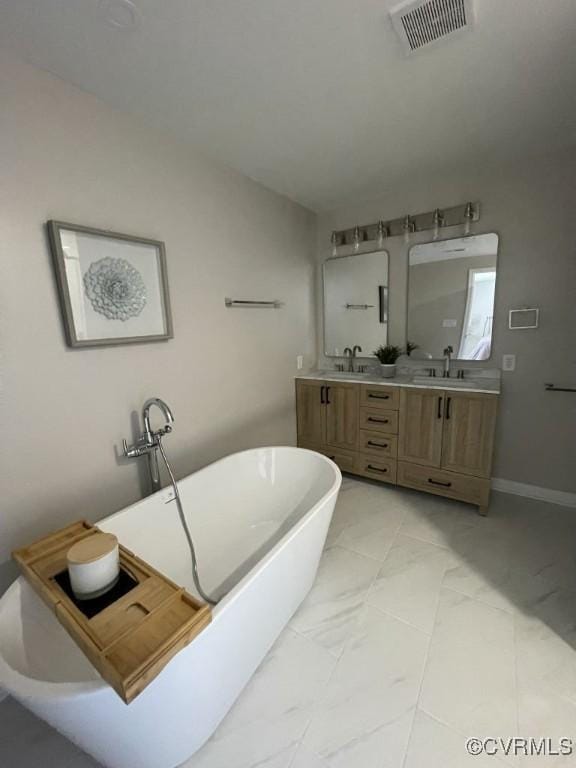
(130, 640)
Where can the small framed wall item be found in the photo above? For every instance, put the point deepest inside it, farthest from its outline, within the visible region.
(113, 288)
(522, 319)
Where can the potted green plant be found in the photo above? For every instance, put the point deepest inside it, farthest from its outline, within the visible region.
(387, 355)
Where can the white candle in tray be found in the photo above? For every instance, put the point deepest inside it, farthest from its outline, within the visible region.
(93, 565)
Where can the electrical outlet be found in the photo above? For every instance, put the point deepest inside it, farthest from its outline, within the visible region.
(300, 362)
(508, 362)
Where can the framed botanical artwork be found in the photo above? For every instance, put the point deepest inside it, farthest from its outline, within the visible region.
(113, 288)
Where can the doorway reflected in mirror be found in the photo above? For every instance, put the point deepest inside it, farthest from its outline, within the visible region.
(451, 290)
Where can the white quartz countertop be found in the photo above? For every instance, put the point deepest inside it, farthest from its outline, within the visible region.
(484, 385)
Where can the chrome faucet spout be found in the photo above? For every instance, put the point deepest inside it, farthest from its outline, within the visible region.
(348, 353)
(166, 412)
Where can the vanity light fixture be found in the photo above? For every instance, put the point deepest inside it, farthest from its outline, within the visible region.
(426, 221)
(469, 215)
(383, 233)
(408, 227)
(438, 220)
(334, 241)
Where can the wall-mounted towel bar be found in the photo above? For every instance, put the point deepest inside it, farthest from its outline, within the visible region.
(554, 388)
(251, 304)
(359, 306)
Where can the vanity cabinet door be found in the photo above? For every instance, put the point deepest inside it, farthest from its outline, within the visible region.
(311, 411)
(420, 431)
(469, 423)
(342, 415)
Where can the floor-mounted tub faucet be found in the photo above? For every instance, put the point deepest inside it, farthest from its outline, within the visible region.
(148, 442)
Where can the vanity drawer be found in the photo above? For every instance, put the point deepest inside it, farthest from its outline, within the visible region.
(377, 396)
(379, 420)
(345, 461)
(474, 490)
(377, 444)
(376, 468)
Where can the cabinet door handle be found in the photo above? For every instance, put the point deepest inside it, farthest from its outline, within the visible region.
(378, 421)
(448, 402)
(376, 469)
(322, 400)
(437, 482)
(379, 397)
(377, 445)
(328, 395)
(440, 407)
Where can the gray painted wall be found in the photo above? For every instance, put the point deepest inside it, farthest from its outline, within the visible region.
(531, 206)
(228, 374)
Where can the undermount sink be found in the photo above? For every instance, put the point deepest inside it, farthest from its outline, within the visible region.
(440, 381)
(346, 375)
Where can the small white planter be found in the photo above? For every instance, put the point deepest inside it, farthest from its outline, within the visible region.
(387, 371)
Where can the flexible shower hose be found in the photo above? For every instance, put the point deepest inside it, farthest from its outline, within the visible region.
(184, 522)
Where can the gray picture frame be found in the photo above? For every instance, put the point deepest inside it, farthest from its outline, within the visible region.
(73, 339)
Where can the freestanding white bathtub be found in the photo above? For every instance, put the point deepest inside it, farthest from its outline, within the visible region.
(259, 521)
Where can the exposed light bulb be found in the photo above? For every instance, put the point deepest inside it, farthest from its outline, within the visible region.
(383, 233)
(438, 222)
(469, 218)
(356, 238)
(334, 241)
(408, 228)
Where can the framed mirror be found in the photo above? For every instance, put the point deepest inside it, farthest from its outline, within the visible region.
(451, 289)
(355, 303)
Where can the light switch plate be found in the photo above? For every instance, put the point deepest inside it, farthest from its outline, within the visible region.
(508, 362)
(300, 362)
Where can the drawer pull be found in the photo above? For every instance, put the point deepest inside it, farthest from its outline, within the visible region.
(439, 414)
(322, 400)
(437, 482)
(448, 402)
(377, 445)
(376, 469)
(379, 397)
(378, 421)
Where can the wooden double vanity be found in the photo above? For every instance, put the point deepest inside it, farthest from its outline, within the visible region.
(434, 439)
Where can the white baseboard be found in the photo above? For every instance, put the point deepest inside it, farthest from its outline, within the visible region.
(564, 498)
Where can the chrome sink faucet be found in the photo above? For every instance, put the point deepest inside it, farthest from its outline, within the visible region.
(351, 355)
(447, 357)
(148, 442)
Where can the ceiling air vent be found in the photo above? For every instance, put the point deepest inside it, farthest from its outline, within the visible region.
(420, 23)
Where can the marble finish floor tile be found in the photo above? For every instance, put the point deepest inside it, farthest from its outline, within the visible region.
(330, 612)
(426, 625)
(542, 713)
(408, 584)
(437, 520)
(366, 519)
(435, 745)
(374, 688)
(545, 637)
(268, 720)
(470, 681)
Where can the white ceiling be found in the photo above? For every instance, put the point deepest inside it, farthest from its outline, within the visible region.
(314, 98)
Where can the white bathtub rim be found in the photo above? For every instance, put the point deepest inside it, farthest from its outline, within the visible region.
(21, 686)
